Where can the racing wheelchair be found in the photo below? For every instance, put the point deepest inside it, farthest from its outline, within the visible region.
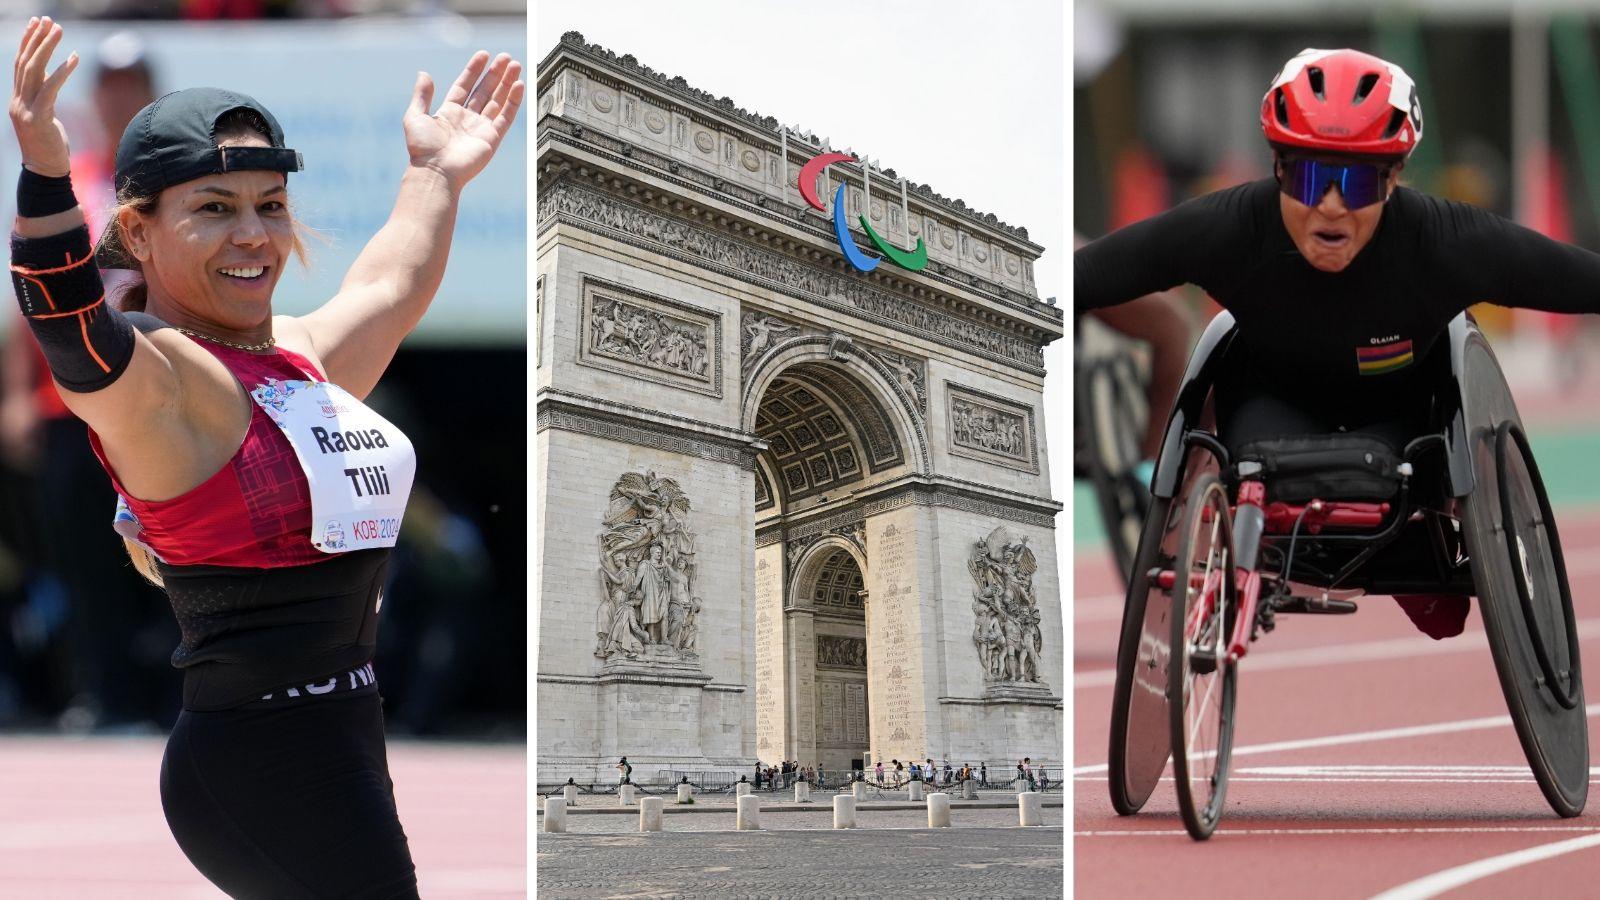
(1306, 524)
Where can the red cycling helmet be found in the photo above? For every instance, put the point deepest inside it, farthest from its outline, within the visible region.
(1345, 102)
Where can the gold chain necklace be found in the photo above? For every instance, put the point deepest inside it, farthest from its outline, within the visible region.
(265, 345)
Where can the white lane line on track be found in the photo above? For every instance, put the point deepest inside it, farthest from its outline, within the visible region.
(1365, 651)
(1362, 737)
(1235, 779)
(1450, 879)
(1323, 832)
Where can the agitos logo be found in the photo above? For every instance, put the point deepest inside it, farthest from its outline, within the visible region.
(913, 261)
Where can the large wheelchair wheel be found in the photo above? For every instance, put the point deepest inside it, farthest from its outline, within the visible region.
(1522, 589)
(1201, 680)
(1140, 717)
(1111, 395)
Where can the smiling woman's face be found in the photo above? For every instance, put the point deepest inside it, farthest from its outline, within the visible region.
(1329, 235)
(215, 246)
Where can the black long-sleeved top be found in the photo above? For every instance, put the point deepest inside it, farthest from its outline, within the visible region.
(1347, 332)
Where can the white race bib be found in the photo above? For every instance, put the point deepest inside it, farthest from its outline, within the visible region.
(358, 464)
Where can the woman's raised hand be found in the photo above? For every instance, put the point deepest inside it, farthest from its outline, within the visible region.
(40, 134)
(461, 138)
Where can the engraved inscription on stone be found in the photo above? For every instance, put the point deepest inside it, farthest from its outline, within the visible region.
(769, 597)
(990, 429)
(898, 677)
(648, 607)
(1006, 627)
(650, 337)
(841, 652)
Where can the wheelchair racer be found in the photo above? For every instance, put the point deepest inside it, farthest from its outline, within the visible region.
(1338, 278)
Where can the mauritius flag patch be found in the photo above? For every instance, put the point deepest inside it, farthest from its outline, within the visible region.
(1383, 358)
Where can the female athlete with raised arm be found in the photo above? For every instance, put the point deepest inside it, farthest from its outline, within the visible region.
(266, 494)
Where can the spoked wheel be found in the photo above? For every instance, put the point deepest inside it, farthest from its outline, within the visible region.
(1201, 680)
(1523, 594)
(1112, 393)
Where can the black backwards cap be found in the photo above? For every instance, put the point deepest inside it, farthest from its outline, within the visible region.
(174, 140)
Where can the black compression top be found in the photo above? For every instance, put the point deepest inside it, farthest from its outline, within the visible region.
(1355, 334)
(250, 632)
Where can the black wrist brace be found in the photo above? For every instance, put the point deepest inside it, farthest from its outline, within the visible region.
(87, 343)
(40, 195)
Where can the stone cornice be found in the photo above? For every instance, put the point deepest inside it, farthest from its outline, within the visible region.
(952, 493)
(554, 130)
(607, 214)
(725, 110)
(631, 425)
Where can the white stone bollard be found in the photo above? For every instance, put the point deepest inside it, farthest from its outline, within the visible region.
(802, 792)
(844, 811)
(969, 791)
(555, 814)
(939, 810)
(625, 795)
(742, 788)
(570, 794)
(685, 793)
(650, 813)
(858, 791)
(748, 817)
(914, 791)
(1028, 808)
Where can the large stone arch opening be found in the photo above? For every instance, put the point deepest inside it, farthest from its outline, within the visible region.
(833, 430)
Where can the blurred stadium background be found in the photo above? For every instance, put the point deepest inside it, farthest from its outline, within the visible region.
(1167, 107)
(86, 650)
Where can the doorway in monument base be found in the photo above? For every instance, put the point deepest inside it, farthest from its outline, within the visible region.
(842, 701)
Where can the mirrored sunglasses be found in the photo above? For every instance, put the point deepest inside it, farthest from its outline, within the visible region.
(1360, 183)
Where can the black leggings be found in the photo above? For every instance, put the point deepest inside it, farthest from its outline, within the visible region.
(288, 801)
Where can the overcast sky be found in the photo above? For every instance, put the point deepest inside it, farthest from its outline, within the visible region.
(961, 95)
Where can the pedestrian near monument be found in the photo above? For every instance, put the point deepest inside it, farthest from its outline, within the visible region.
(983, 774)
(624, 771)
(878, 768)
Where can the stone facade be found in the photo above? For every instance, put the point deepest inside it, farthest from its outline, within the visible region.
(763, 473)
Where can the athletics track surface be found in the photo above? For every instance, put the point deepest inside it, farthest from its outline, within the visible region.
(82, 819)
(1368, 758)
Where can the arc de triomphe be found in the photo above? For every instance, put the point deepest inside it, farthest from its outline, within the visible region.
(790, 510)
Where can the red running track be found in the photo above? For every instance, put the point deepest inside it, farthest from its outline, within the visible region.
(1367, 757)
(82, 819)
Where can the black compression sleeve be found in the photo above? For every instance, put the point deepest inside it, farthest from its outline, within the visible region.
(1189, 243)
(41, 195)
(87, 342)
(1488, 258)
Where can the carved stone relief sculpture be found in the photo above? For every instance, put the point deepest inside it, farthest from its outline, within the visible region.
(990, 428)
(909, 374)
(841, 652)
(758, 332)
(1006, 626)
(650, 335)
(648, 606)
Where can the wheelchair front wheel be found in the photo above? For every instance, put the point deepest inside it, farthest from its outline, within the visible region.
(1201, 680)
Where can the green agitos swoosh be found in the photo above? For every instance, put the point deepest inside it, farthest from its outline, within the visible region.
(913, 261)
